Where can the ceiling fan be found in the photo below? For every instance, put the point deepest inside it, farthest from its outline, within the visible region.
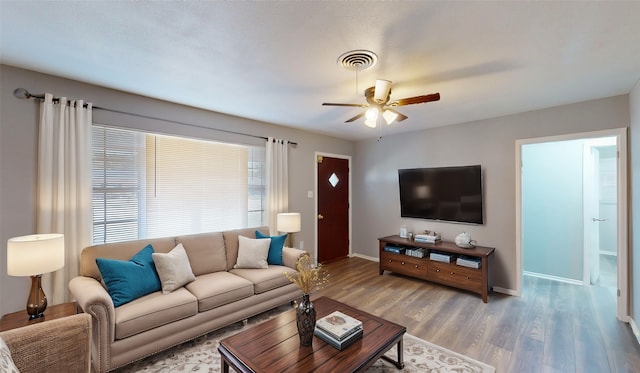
(378, 104)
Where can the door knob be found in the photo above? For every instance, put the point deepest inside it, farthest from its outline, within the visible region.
(320, 217)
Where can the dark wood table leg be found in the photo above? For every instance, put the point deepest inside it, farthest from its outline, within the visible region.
(400, 363)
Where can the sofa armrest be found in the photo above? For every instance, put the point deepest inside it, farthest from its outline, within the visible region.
(94, 299)
(60, 345)
(290, 256)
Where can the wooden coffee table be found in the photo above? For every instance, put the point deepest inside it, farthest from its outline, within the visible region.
(274, 345)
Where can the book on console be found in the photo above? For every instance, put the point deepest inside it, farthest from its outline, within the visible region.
(440, 257)
(339, 344)
(428, 237)
(394, 249)
(468, 262)
(338, 325)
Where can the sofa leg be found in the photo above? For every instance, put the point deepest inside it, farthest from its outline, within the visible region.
(245, 322)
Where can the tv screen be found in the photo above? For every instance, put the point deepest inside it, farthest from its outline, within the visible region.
(442, 193)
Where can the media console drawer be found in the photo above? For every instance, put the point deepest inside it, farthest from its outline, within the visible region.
(450, 274)
(404, 264)
(467, 278)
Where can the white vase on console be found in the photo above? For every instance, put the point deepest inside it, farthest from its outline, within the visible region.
(464, 240)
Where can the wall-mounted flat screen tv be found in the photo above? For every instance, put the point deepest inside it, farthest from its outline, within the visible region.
(442, 193)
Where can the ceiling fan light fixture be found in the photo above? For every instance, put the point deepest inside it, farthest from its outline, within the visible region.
(389, 116)
(382, 90)
(372, 114)
(371, 123)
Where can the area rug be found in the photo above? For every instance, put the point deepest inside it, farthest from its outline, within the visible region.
(201, 355)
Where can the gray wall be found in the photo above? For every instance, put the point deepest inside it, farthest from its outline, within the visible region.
(552, 217)
(634, 148)
(18, 153)
(490, 143)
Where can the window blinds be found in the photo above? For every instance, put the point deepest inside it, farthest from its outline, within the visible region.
(148, 186)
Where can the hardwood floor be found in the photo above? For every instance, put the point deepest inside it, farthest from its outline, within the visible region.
(553, 327)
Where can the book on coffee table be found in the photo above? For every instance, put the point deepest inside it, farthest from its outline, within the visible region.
(339, 344)
(339, 325)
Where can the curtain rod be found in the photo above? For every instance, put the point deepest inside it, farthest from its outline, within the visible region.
(23, 94)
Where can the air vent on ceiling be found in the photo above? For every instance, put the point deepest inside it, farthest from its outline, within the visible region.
(358, 60)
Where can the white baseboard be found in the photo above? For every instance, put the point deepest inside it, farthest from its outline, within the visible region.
(371, 258)
(554, 278)
(634, 328)
(511, 292)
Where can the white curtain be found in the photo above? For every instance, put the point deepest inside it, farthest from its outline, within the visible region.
(64, 185)
(277, 180)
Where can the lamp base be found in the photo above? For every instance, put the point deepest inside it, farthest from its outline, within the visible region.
(289, 240)
(37, 301)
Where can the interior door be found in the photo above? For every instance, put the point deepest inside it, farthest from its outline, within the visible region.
(333, 208)
(594, 219)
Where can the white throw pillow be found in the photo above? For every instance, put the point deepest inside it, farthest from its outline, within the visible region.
(252, 253)
(6, 362)
(173, 269)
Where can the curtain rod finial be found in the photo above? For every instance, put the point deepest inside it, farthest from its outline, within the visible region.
(21, 93)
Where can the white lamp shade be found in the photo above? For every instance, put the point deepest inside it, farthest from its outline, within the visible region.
(288, 222)
(35, 254)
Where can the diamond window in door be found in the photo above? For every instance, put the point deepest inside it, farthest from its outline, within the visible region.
(333, 180)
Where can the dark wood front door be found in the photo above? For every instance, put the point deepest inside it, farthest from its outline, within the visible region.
(333, 208)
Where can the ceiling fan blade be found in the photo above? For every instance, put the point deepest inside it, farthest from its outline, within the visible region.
(355, 118)
(416, 100)
(334, 104)
(400, 117)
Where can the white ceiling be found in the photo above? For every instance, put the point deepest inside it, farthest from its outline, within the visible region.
(276, 61)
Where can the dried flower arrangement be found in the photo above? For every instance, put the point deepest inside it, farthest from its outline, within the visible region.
(309, 276)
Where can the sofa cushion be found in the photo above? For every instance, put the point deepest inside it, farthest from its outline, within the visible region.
(154, 310)
(275, 247)
(129, 280)
(252, 253)
(265, 279)
(173, 269)
(219, 288)
(206, 252)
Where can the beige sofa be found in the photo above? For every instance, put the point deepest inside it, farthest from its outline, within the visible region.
(60, 345)
(219, 296)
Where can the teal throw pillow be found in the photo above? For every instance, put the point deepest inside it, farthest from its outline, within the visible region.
(129, 280)
(275, 248)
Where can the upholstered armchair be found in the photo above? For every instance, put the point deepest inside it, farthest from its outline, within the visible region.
(60, 345)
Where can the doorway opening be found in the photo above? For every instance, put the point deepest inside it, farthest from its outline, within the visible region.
(571, 222)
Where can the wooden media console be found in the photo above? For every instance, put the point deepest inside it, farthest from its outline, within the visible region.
(472, 279)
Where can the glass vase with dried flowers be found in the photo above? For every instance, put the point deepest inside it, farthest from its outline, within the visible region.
(308, 278)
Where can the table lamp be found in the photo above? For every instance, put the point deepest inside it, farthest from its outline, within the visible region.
(32, 256)
(288, 222)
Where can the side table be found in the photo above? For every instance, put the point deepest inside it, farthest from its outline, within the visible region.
(21, 318)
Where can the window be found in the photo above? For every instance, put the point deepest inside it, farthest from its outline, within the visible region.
(147, 185)
(118, 184)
